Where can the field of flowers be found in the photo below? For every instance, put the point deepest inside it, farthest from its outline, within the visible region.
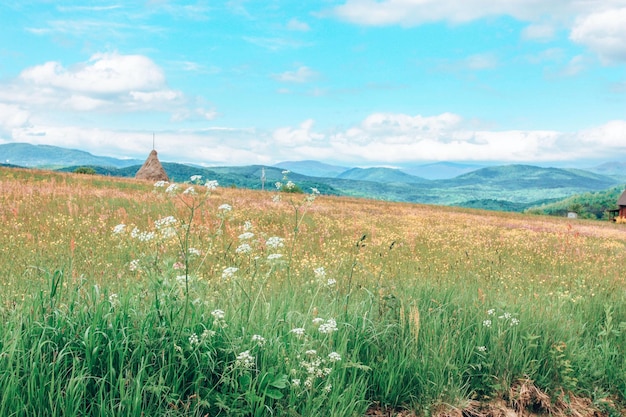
(122, 298)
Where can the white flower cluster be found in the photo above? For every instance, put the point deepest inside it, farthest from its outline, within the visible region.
(243, 248)
(229, 272)
(329, 326)
(275, 242)
(142, 236)
(258, 339)
(245, 360)
(211, 185)
(218, 318)
(119, 229)
(506, 317)
(316, 367)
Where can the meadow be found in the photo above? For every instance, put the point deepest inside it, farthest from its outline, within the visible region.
(126, 298)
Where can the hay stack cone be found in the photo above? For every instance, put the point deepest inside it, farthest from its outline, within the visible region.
(152, 169)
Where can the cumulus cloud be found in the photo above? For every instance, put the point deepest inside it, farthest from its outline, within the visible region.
(107, 82)
(298, 25)
(603, 32)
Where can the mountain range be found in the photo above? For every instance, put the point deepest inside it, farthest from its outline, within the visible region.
(505, 187)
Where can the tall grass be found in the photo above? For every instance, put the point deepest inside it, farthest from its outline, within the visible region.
(241, 305)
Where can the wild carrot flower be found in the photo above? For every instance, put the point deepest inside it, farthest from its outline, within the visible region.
(320, 273)
(134, 265)
(298, 331)
(514, 322)
(274, 256)
(243, 248)
(331, 282)
(247, 226)
(207, 334)
(245, 360)
(246, 235)
(311, 352)
(114, 299)
(275, 242)
(190, 191)
(482, 348)
(328, 327)
(171, 189)
(193, 339)
(211, 185)
(160, 184)
(195, 178)
(327, 388)
(487, 323)
(295, 382)
(317, 321)
(194, 252)
(225, 207)
(218, 314)
(260, 340)
(119, 229)
(229, 272)
(491, 312)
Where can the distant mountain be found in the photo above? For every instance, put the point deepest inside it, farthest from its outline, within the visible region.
(440, 170)
(614, 168)
(382, 175)
(45, 156)
(312, 168)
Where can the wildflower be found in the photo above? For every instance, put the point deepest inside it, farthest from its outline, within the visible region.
(246, 235)
(328, 327)
(190, 191)
(298, 331)
(326, 371)
(482, 348)
(181, 279)
(247, 226)
(194, 252)
(165, 222)
(195, 178)
(331, 282)
(311, 352)
(491, 312)
(505, 316)
(160, 184)
(274, 256)
(218, 314)
(207, 334)
(245, 360)
(260, 340)
(211, 185)
(290, 185)
(308, 383)
(193, 339)
(178, 265)
(114, 299)
(276, 198)
(315, 191)
(229, 272)
(225, 207)
(275, 242)
(320, 272)
(278, 185)
(171, 189)
(244, 248)
(285, 172)
(327, 388)
(514, 322)
(334, 357)
(317, 321)
(487, 323)
(134, 265)
(295, 382)
(119, 229)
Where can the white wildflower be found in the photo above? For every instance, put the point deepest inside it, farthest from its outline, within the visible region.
(181, 279)
(218, 314)
(295, 382)
(211, 185)
(320, 273)
(119, 229)
(194, 252)
(505, 316)
(491, 312)
(207, 334)
(285, 172)
(134, 265)
(276, 198)
(298, 331)
(317, 321)
(514, 322)
(193, 339)
(246, 235)
(275, 242)
(487, 323)
(171, 189)
(160, 184)
(225, 207)
(311, 352)
(165, 222)
(114, 299)
(274, 256)
(244, 248)
(229, 272)
(331, 282)
(482, 348)
(190, 191)
(260, 340)
(247, 226)
(195, 178)
(245, 360)
(328, 327)
(334, 357)
(327, 388)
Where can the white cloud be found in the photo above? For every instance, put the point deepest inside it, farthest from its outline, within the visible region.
(298, 25)
(302, 135)
(12, 117)
(301, 75)
(600, 25)
(603, 32)
(106, 82)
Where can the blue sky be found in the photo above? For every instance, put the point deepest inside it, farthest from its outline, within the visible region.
(353, 82)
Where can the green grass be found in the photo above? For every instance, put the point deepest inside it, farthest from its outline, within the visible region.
(424, 306)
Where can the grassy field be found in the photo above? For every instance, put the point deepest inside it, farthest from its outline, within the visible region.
(119, 298)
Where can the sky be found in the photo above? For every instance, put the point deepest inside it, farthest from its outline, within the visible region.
(350, 82)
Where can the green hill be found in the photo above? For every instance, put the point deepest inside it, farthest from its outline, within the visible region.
(382, 175)
(45, 156)
(593, 205)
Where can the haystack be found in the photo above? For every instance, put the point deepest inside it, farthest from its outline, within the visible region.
(152, 169)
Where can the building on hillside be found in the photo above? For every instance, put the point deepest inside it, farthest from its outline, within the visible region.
(621, 210)
(152, 169)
